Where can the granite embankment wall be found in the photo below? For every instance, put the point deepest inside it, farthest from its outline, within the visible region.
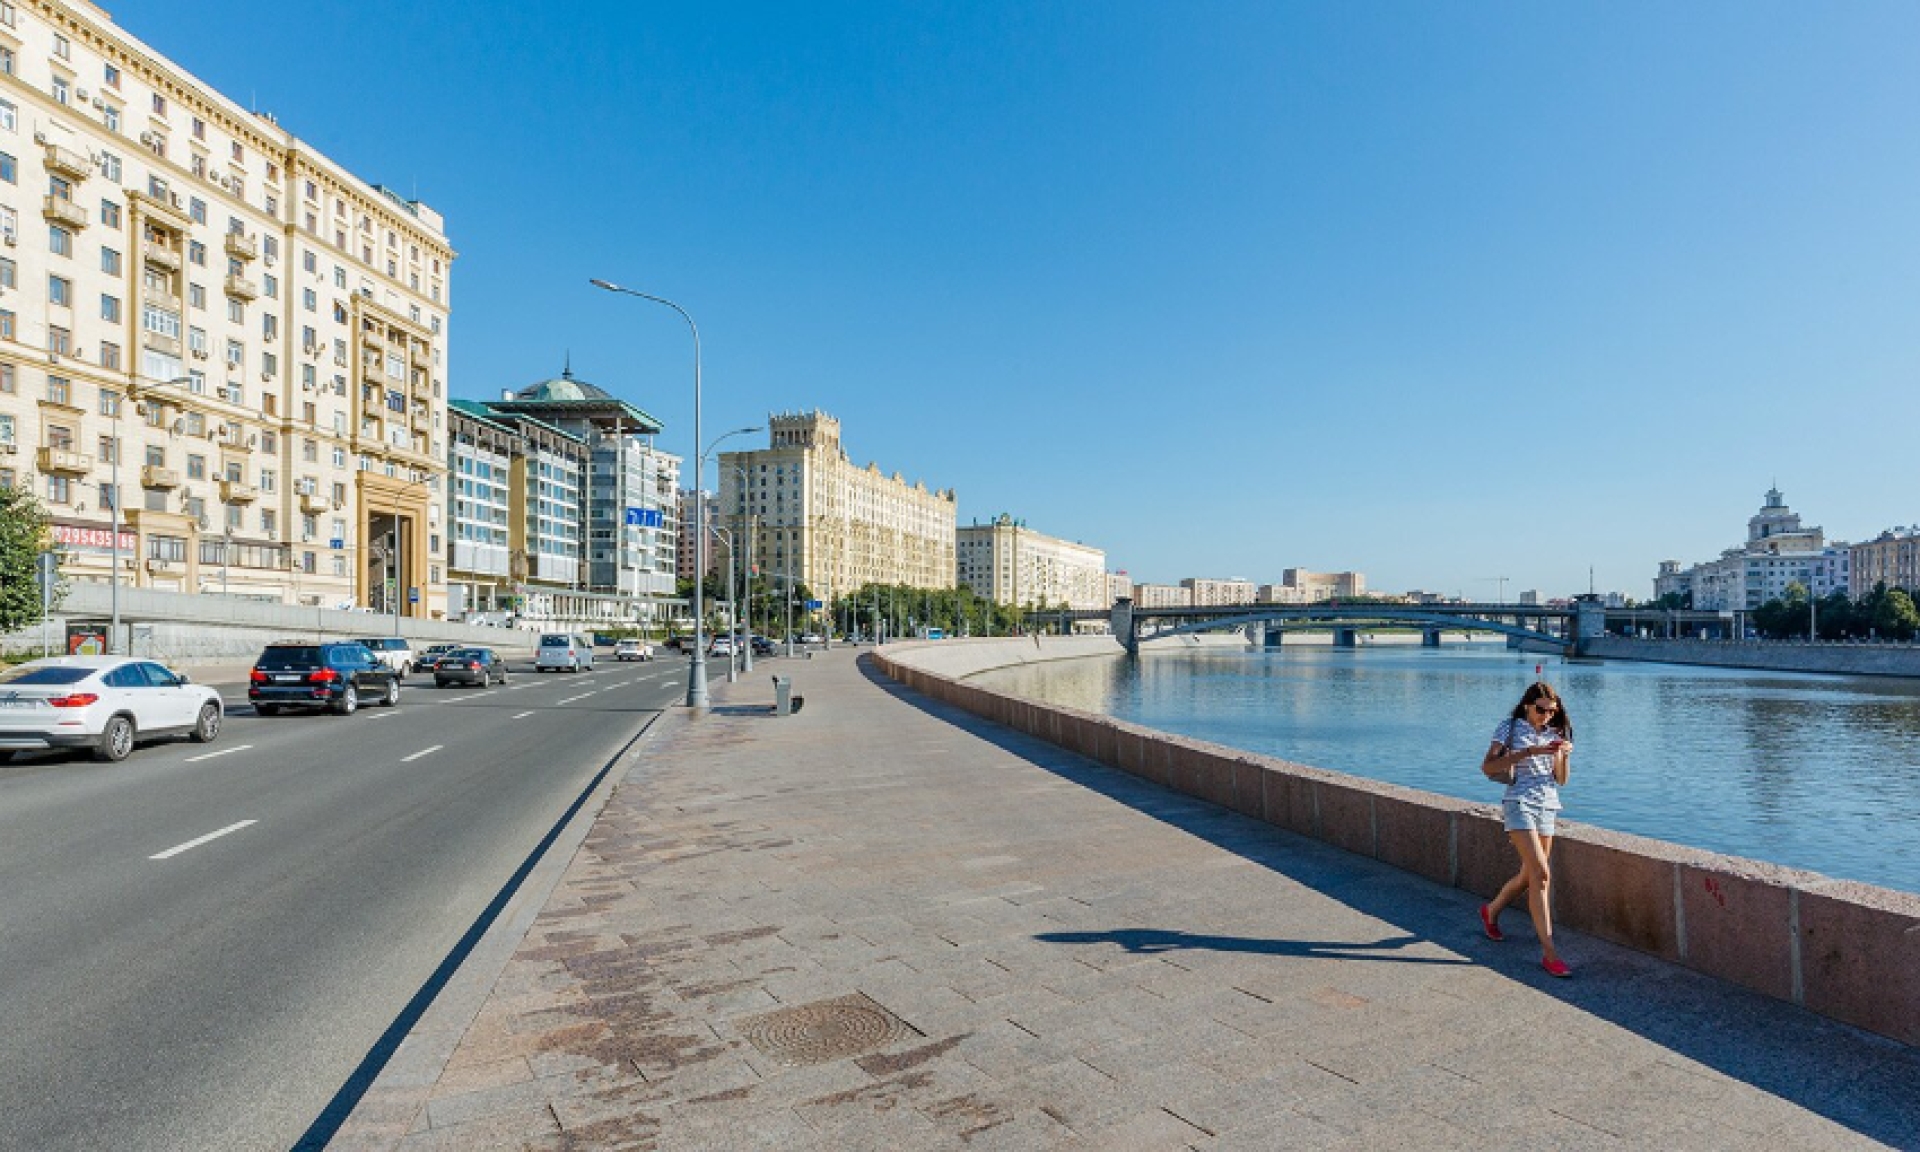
(1773, 655)
(1846, 950)
(181, 627)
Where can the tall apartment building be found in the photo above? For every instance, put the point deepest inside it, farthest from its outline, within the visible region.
(254, 337)
(1119, 586)
(1010, 564)
(1891, 558)
(1211, 593)
(1778, 551)
(685, 561)
(833, 524)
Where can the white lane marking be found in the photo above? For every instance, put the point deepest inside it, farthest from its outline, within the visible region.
(381, 715)
(179, 848)
(520, 716)
(422, 752)
(222, 752)
(571, 699)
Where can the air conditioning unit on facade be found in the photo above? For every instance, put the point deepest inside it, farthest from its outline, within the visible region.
(146, 138)
(81, 95)
(41, 137)
(199, 353)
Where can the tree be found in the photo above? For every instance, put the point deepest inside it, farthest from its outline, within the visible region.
(1896, 616)
(23, 535)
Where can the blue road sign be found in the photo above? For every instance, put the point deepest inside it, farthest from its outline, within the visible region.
(815, 605)
(413, 595)
(644, 518)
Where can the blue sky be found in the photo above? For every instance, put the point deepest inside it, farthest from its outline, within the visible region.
(1442, 293)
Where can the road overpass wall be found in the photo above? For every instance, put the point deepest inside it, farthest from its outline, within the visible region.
(183, 627)
(1770, 655)
(1846, 950)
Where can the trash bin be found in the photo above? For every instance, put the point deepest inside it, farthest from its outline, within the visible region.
(783, 695)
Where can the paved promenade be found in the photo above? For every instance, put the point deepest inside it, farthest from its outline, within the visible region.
(885, 924)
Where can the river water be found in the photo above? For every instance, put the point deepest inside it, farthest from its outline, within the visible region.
(1815, 772)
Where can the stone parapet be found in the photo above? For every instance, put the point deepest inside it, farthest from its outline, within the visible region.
(1845, 950)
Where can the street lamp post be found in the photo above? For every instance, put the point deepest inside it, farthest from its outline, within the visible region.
(697, 671)
(113, 481)
(733, 605)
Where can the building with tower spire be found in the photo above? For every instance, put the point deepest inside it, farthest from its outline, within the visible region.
(1779, 551)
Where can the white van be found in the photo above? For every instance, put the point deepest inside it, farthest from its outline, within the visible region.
(563, 650)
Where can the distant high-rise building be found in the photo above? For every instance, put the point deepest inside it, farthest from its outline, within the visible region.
(1162, 596)
(832, 524)
(1010, 564)
(1205, 593)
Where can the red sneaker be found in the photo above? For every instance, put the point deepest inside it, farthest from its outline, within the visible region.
(1489, 925)
(1556, 968)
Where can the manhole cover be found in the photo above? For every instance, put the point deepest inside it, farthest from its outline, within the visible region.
(824, 1030)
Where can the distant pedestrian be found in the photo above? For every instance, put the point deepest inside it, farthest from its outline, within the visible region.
(1529, 754)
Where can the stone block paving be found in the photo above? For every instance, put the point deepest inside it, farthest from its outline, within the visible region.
(885, 924)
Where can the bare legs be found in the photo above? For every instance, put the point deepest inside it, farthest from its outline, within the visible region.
(1534, 877)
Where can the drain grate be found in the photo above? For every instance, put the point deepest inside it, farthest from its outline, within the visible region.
(824, 1030)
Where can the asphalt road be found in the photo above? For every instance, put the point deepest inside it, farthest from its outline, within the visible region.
(218, 997)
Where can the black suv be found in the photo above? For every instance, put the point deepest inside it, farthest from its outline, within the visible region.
(337, 676)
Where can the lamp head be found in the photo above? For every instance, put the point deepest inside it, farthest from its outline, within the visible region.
(607, 284)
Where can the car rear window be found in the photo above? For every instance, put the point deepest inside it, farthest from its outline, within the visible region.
(57, 674)
(293, 657)
(556, 641)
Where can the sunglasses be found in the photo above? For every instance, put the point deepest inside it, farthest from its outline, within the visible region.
(1544, 709)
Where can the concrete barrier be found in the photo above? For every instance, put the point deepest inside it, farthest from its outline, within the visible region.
(1845, 950)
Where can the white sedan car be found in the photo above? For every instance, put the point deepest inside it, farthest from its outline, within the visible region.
(102, 703)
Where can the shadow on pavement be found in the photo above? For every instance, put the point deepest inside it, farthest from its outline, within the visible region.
(1147, 941)
(1865, 1082)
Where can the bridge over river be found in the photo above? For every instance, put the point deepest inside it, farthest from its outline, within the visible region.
(1567, 629)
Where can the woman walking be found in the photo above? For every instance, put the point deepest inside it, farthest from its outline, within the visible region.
(1529, 754)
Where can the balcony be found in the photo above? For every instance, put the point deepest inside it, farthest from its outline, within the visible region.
(234, 492)
(421, 356)
(162, 299)
(64, 460)
(160, 256)
(168, 345)
(158, 567)
(242, 246)
(373, 342)
(153, 476)
(242, 288)
(314, 504)
(68, 163)
(61, 210)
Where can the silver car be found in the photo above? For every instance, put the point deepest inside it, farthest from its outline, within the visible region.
(564, 652)
(101, 703)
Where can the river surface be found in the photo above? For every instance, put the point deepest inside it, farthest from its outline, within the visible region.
(1815, 772)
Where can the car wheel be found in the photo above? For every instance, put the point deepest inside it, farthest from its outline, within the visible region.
(116, 740)
(208, 726)
(392, 698)
(503, 678)
(266, 709)
(349, 700)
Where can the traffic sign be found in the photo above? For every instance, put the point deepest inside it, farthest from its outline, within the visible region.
(643, 518)
(413, 595)
(336, 543)
(815, 605)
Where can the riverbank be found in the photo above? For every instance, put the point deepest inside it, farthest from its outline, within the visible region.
(1844, 949)
(1764, 655)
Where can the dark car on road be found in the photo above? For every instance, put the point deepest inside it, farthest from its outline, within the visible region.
(482, 666)
(762, 646)
(335, 676)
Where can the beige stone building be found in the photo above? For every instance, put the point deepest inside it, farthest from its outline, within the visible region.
(1300, 586)
(1207, 593)
(253, 334)
(831, 523)
(1011, 564)
(1891, 558)
(1162, 596)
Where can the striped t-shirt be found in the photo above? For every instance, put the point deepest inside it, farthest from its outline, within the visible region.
(1533, 781)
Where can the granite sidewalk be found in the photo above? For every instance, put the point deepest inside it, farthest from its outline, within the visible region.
(883, 923)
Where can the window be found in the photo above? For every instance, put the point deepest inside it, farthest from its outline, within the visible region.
(62, 90)
(109, 214)
(62, 47)
(109, 261)
(112, 76)
(310, 300)
(236, 311)
(197, 297)
(9, 116)
(110, 166)
(236, 353)
(270, 326)
(8, 274)
(59, 341)
(6, 429)
(111, 117)
(196, 253)
(239, 153)
(6, 60)
(9, 168)
(309, 262)
(6, 328)
(109, 355)
(196, 467)
(197, 208)
(59, 490)
(160, 105)
(6, 379)
(109, 402)
(60, 291)
(199, 128)
(59, 390)
(110, 308)
(59, 241)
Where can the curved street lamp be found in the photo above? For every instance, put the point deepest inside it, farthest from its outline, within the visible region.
(697, 673)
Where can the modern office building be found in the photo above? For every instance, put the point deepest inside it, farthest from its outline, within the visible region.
(1010, 564)
(629, 491)
(834, 525)
(252, 336)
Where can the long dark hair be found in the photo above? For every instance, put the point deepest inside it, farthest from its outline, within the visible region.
(1541, 690)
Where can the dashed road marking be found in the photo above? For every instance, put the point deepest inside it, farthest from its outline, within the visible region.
(422, 752)
(195, 843)
(520, 716)
(222, 752)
